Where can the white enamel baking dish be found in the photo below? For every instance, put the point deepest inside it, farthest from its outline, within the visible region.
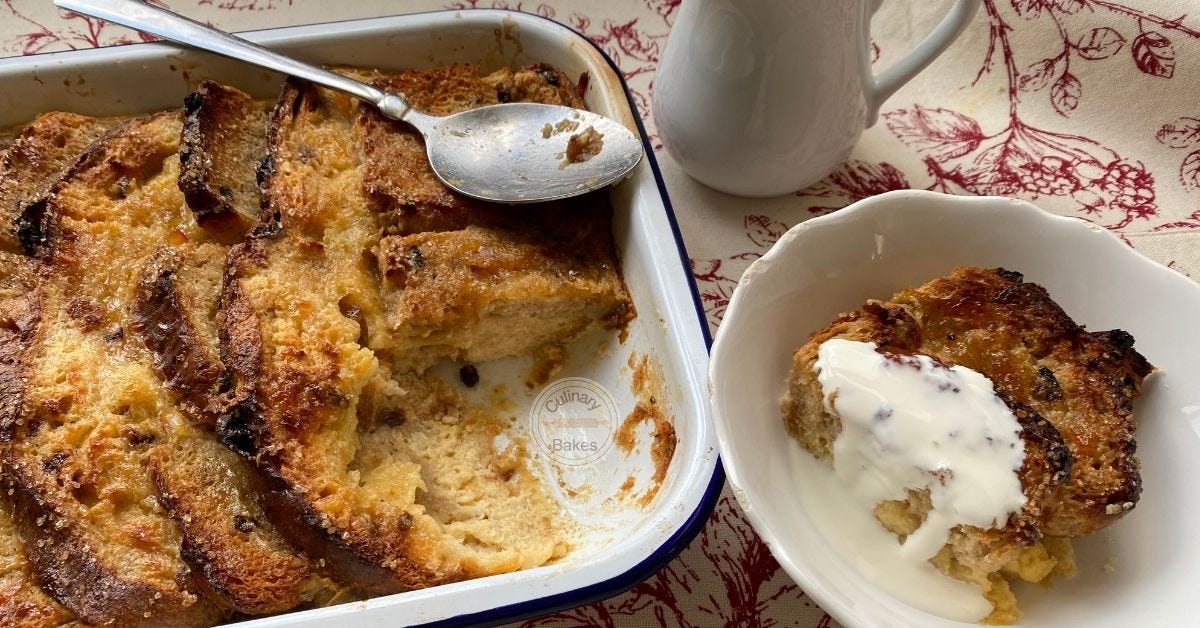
(619, 542)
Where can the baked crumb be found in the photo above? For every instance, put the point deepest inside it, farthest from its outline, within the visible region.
(584, 145)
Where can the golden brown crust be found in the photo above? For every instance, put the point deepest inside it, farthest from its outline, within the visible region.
(241, 561)
(22, 600)
(182, 356)
(396, 173)
(137, 557)
(277, 424)
(224, 140)
(894, 330)
(1084, 383)
(23, 604)
(446, 256)
(75, 453)
(461, 294)
(37, 158)
(371, 556)
(20, 311)
(111, 382)
(99, 593)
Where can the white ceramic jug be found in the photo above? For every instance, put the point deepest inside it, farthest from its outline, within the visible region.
(764, 97)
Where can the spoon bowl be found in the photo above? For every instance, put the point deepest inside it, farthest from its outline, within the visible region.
(526, 152)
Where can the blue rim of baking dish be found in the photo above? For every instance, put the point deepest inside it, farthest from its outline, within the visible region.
(691, 527)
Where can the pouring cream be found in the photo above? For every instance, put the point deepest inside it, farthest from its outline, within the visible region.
(909, 422)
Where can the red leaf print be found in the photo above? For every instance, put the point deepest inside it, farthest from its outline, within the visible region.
(1191, 222)
(1066, 93)
(1181, 133)
(591, 616)
(1189, 172)
(1100, 43)
(1069, 6)
(1038, 75)
(854, 181)
(745, 566)
(942, 133)
(665, 8)
(763, 231)
(715, 289)
(580, 22)
(1030, 7)
(631, 41)
(1154, 54)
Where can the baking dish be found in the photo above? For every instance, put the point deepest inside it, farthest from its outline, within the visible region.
(619, 541)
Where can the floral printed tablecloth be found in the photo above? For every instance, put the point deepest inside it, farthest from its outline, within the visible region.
(1085, 107)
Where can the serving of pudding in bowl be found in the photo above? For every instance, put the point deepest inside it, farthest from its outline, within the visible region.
(978, 422)
(925, 436)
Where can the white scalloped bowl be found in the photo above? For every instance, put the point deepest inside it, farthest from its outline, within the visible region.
(871, 249)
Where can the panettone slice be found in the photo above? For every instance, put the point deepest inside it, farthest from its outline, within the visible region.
(38, 157)
(23, 602)
(97, 489)
(76, 454)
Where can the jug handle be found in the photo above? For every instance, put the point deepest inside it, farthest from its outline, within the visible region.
(880, 88)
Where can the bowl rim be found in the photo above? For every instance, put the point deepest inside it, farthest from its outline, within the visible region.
(795, 566)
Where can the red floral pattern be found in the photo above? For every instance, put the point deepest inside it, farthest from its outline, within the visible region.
(1021, 159)
(1071, 172)
(716, 284)
(1051, 62)
(77, 31)
(1151, 50)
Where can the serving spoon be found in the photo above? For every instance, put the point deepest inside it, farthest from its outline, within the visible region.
(506, 153)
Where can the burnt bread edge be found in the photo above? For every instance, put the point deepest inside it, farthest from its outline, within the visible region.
(218, 119)
(179, 355)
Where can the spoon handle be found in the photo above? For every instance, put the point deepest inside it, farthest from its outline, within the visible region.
(171, 26)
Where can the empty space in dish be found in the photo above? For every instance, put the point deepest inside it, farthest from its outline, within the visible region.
(620, 521)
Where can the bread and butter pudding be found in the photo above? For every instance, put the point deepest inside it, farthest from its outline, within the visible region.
(216, 397)
(981, 424)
